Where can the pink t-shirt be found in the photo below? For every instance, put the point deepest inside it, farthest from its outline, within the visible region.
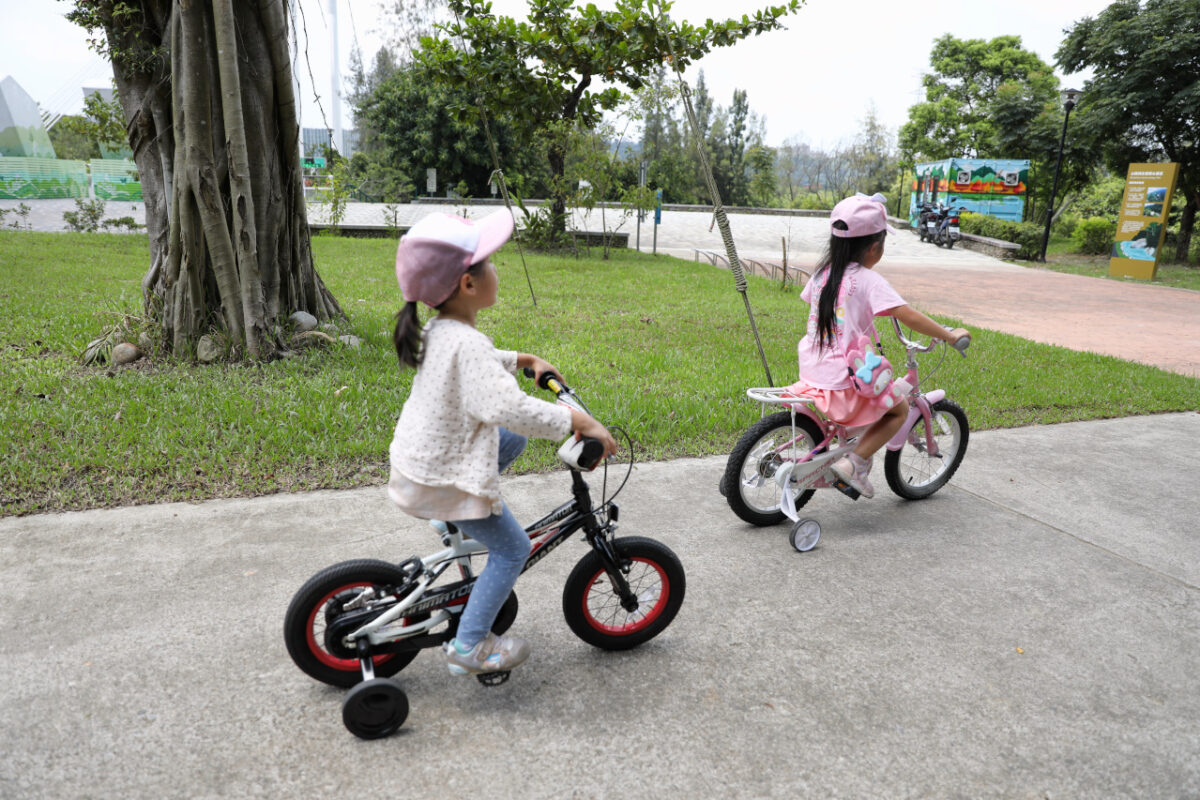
(863, 296)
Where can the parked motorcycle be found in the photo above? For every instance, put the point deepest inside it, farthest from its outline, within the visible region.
(925, 212)
(933, 218)
(946, 232)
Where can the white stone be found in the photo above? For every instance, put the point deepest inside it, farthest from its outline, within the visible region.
(125, 353)
(207, 349)
(303, 321)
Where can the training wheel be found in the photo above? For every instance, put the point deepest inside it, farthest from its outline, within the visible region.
(493, 678)
(805, 534)
(374, 709)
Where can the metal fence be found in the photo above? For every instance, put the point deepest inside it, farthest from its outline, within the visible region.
(751, 266)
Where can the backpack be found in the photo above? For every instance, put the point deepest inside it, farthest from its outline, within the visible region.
(870, 373)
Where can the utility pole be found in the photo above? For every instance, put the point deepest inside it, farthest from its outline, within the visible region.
(335, 77)
(1070, 97)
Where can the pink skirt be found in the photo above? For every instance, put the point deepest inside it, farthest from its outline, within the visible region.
(843, 406)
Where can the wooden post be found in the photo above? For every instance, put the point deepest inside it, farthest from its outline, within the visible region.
(783, 241)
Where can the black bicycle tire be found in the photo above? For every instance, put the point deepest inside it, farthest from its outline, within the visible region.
(733, 467)
(297, 622)
(590, 570)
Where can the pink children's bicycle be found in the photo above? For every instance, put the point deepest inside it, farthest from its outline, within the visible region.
(783, 458)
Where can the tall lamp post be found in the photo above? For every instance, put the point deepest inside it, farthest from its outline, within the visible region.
(1069, 97)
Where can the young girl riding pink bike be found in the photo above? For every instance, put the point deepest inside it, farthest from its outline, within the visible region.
(846, 405)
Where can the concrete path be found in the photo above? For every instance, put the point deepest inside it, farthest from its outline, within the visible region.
(1031, 631)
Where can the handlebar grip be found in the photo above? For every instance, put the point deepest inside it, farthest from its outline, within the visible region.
(581, 454)
(961, 344)
(544, 381)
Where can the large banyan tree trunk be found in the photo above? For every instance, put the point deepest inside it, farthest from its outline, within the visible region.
(206, 87)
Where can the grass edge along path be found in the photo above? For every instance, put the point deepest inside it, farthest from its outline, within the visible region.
(1061, 257)
(657, 345)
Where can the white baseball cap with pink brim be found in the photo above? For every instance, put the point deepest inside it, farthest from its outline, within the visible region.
(862, 215)
(439, 248)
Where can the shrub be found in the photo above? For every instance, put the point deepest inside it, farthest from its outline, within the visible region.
(539, 233)
(1101, 198)
(128, 223)
(1065, 225)
(1094, 235)
(1026, 234)
(86, 216)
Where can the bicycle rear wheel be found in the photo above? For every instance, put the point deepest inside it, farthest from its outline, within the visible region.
(749, 478)
(911, 471)
(319, 602)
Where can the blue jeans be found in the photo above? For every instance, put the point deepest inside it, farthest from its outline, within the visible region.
(508, 547)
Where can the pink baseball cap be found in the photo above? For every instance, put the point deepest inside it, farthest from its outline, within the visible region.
(437, 251)
(863, 216)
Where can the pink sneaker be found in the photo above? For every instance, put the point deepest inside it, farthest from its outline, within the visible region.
(854, 469)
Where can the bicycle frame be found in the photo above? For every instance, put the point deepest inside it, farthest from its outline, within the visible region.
(443, 602)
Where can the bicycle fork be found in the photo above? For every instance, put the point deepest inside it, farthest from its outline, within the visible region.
(600, 538)
(920, 406)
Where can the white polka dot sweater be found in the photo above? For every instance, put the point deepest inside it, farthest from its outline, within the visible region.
(463, 391)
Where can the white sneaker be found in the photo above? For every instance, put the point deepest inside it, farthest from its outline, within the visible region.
(492, 654)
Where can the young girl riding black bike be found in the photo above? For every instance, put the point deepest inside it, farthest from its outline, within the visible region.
(465, 407)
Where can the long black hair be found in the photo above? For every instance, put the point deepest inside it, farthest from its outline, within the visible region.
(841, 253)
(407, 334)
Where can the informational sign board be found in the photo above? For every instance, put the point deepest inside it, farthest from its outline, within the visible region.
(1142, 223)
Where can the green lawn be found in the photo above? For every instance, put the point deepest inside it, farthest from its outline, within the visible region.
(1060, 257)
(654, 344)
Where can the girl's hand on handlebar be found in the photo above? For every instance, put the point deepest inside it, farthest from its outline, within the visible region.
(954, 335)
(585, 425)
(539, 366)
(959, 339)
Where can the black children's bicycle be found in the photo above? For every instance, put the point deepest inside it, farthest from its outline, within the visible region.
(357, 623)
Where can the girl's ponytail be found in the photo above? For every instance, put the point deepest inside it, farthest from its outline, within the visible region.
(841, 252)
(407, 336)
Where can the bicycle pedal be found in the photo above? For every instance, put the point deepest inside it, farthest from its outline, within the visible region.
(847, 489)
(493, 678)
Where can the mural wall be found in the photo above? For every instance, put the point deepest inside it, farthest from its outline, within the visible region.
(47, 179)
(995, 186)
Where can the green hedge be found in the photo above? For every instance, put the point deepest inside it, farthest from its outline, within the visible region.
(1094, 235)
(1026, 234)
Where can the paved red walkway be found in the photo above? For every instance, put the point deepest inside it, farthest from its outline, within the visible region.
(1150, 324)
(1154, 325)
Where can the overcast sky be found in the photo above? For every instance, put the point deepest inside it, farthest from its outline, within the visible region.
(815, 80)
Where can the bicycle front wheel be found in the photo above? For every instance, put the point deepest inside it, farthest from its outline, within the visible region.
(911, 471)
(749, 479)
(593, 609)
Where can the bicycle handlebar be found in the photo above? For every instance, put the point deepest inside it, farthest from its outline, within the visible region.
(585, 452)
(961, 344)
(553, 383)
